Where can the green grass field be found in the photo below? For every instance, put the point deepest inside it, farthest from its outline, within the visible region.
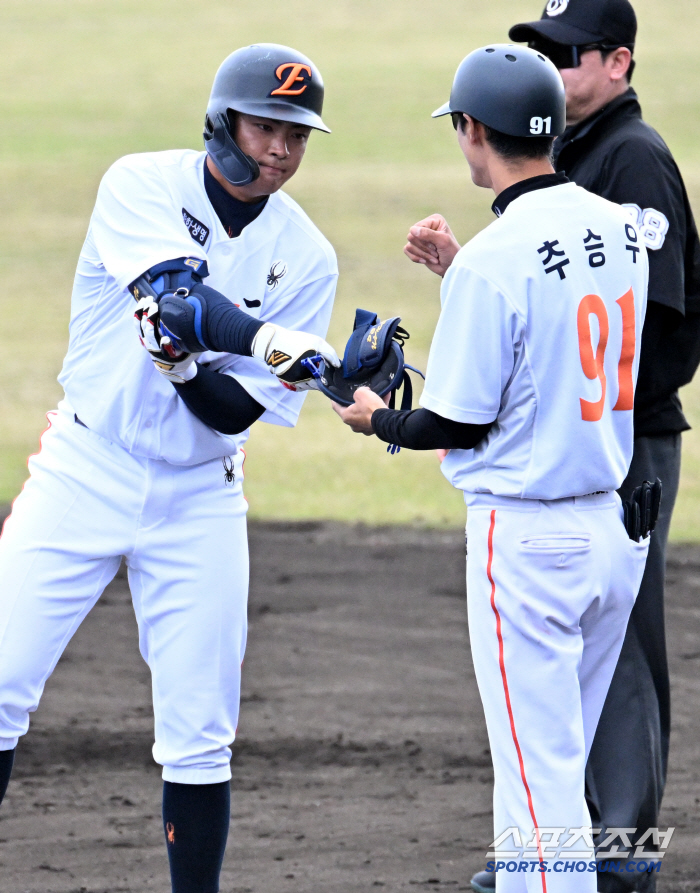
(85, 81)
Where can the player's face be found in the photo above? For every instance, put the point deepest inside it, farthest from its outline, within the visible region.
(472, 144)
(277, 146)
(594, 83)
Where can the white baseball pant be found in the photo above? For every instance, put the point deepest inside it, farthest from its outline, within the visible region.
(182, 533)
(550, 586)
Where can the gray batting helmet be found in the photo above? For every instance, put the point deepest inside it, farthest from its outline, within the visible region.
(511, 89)
(264, 79)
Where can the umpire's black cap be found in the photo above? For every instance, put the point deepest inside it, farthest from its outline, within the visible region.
(581, 22)
(512, 89)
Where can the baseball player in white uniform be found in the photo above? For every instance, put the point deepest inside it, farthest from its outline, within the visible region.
(530, 386)
(142, 460)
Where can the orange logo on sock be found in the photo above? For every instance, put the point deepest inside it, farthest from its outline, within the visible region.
(170, 828)
(295, 69)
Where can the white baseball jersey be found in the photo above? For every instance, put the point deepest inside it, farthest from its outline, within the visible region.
(540, 329)
(151, 208)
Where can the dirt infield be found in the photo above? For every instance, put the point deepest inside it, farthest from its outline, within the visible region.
(362, 760)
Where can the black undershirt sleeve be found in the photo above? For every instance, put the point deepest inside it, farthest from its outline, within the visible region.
(219, 401)
(422, 429)
(228, 329)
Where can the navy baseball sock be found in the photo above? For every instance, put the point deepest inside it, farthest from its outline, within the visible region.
(7, 758)
(195, 820)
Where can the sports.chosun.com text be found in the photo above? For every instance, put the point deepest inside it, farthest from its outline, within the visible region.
(579, 849)
(614, 865)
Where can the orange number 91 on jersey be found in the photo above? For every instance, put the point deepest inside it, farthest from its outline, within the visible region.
(593, 365)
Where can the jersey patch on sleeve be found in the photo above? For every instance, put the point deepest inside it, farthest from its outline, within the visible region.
(198, 231)
(652, 224)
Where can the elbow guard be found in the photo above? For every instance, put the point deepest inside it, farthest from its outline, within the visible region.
(195, 317)
(167, 277)
(204, 319)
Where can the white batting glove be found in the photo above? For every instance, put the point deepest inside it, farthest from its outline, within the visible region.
(169, 359)
(284, 349)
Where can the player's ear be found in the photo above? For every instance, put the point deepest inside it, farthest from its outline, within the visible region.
(474, 130)
(618, 63)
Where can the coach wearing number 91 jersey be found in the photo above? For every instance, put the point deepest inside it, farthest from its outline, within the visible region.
(530, 386)
(608, 149)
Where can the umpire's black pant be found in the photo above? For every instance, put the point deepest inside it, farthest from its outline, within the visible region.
(626, 770)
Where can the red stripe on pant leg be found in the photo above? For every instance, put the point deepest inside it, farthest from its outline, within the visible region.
(504, 678)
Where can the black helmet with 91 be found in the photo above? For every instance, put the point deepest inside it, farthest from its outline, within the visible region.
(264, 79)
(511, 89)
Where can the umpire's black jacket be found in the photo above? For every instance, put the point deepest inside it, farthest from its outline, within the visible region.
(618, 156)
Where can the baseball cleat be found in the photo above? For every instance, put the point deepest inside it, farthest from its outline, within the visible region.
(484, 882)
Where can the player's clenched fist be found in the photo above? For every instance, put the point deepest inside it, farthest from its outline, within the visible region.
(431, 242)
(167, 354)
(283, 350)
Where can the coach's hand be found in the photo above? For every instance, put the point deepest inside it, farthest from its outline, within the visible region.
(167, 355)
(284, 349)
(359, 415)
(431, 242)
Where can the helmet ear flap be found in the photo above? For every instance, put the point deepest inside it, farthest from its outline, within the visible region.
(238, 168)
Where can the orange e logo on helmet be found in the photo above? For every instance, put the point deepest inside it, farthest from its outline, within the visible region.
(295, 70)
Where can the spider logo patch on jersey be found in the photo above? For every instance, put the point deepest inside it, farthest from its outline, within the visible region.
(277, 271)
(229, 474)
(556, 7)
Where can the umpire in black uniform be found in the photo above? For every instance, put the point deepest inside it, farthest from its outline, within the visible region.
(608, 149)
